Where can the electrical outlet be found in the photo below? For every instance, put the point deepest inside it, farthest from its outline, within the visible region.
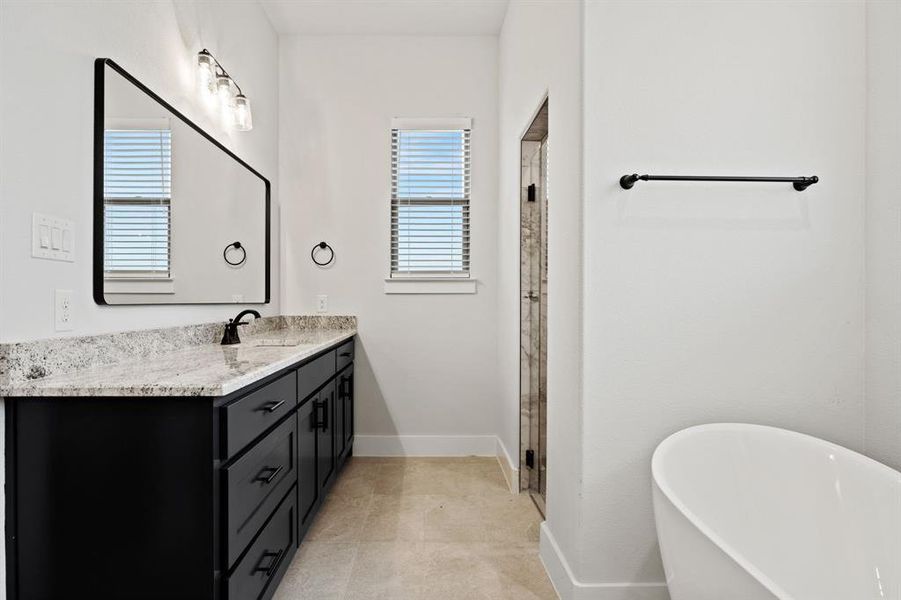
(322, 303)
(62, 310)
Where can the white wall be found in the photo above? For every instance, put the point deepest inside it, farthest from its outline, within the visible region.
(47, 51)
(426, 363)
(884, 232)
(715, 302)
(540, 54)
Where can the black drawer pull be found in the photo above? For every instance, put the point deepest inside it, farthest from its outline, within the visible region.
(274, 473)
(273, 565)
(344, 354)
(272, 406)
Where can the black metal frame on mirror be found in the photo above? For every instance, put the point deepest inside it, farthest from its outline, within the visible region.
(100, 72)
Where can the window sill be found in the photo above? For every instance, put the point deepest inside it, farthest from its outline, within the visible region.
(114, 285)
(431, 285)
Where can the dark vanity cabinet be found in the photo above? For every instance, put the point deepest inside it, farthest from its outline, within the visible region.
(188, 498)
(308, 481)
(324, 411)
(345, 384)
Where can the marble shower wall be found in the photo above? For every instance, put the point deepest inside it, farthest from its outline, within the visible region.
(533, 303)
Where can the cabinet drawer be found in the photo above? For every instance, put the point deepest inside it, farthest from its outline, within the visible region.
(248, 417)
(345, 355)
(315, 373)
(257, 575)
(256, 482)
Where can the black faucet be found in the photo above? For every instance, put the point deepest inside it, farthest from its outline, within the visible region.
(231, 328)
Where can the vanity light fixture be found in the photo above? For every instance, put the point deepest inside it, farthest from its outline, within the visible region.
(243, 116)
(206, 72)
(214, 80)
(224, 90)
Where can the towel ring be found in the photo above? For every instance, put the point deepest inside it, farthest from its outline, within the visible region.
(236, 246)
(322, 246)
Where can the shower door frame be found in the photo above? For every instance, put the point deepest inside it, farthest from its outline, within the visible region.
(533, 389)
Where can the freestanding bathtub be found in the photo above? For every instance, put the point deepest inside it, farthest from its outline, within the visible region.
(746, 512)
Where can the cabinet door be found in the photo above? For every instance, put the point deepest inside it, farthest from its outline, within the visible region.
(307, 481)
(339, 419)
(325, 438)
(346, 383)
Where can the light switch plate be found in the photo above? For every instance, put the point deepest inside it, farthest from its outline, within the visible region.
(52, 238)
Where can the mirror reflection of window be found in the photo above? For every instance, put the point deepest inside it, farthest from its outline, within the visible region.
(137, 191)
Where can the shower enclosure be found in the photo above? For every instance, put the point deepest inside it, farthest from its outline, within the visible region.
(533, 307)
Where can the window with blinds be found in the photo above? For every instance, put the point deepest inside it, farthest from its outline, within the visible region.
(430, 176)
(137, 177)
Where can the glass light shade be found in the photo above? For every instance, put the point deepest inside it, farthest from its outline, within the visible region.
(224, 90)
(243, 116)
(206, 73)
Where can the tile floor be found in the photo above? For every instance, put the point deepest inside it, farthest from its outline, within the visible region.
(420, 529)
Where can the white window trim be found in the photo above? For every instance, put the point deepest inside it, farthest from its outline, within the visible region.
(431, 284)
(431, 123)
(138, 285)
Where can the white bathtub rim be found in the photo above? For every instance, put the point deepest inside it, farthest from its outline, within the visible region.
(661, 483)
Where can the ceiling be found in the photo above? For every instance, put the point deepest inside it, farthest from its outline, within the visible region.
(386, 17)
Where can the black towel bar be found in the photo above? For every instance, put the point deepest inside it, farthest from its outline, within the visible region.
(799, 183)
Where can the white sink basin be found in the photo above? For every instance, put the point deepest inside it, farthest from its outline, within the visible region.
(275, 342)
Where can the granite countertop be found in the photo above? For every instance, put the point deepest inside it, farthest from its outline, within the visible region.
(201, 370)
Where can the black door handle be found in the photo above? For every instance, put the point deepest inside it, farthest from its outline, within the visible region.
(272, 406)
(320, 421)
(274, 473)
(273, 565)
(314, 415)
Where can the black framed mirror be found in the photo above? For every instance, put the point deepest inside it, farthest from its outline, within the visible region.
(178, 217)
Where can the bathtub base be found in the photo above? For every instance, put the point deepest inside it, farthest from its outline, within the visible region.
(696, 569)
(750, 512)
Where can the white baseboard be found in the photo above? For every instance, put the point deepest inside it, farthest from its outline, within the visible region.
(570, 588)
(511, 474)
(555, 563)
(425, 445)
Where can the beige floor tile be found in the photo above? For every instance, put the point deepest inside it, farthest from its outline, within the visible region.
(395, 518)
(390, 477)
(421, 529)
(387, 570)
(519, 572)
(509, 518)
(453, 519)
(340, 519)
(442, 477)
(320, 570)
(358, 478)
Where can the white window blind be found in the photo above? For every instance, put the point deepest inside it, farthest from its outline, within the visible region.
(430, 182)
(137, 176)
